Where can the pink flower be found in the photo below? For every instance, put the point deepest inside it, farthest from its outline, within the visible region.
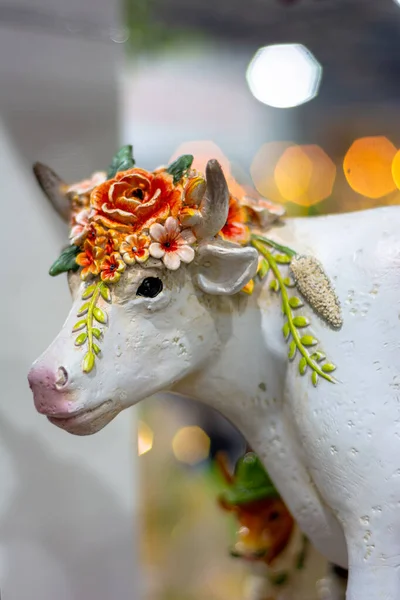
(87, 185)
(171, 244)
(80, 227)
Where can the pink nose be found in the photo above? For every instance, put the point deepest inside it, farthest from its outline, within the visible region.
(47, 388)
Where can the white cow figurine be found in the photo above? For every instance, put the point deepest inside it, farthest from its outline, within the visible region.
(158, 306)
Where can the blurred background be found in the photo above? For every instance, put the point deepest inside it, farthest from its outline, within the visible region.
(298, 99)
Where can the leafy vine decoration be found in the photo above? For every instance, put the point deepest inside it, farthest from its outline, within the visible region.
(91, 313)
(273, 255)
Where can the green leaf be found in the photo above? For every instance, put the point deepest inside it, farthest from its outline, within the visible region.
(97, 333)
(302, 366)
(81, 339)
(318, 356)
(179, 167)
(79, 325)
(292, 350)
(96, 348)
(308, 340)
(301, 322)
(289, 282)
(279, 578)
(88, 362)
(328, 367)
(282, 259)
(83, 309)
(274, 285)
(121, 161)
(314, 378)
(66, 261)
(105, 292)
(286, 330)
(295, 302)
(99, 315)
(264, 268)
(275, 245)
(88, 293)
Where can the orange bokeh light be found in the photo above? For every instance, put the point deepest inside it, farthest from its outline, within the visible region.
(202, 151)
(263, 167)
(368, 166)
(396, 169)
(305, 175)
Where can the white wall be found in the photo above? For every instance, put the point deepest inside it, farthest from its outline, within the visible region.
(67, 504)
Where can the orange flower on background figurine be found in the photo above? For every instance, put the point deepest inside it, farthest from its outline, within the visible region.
(135, 248)
(134, 199)
(235, 228)
(111, 268)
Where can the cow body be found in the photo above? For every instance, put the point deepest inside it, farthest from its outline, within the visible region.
(331, 450)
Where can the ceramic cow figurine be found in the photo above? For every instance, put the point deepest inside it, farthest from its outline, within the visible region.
(292, 329)
(284, 566)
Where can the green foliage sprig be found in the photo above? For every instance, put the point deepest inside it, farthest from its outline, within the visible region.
(180, 166)
(121, 161)
(66, 261)
(91, 312)
(301, 342)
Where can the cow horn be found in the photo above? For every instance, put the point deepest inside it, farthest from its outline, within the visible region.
(215, 204)
(54, 188)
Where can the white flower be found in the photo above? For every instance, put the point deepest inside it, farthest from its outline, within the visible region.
(171, 244)
(80, 227)
(87, 185)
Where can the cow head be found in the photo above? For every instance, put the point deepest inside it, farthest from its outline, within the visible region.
(160, 324)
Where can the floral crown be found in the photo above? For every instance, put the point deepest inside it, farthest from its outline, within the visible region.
(127, 215)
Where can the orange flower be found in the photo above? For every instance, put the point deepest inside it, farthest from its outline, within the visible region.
(112, 241)
(235, 228)
(111, 268)
(135, 199)
(135, 248)
(89, 259)
(96, 235)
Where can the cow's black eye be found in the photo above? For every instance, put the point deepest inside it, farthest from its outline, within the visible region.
(150, 287)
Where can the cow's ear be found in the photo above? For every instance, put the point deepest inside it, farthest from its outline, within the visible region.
(224, 268)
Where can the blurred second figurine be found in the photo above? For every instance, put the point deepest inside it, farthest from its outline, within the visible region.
(284, 565)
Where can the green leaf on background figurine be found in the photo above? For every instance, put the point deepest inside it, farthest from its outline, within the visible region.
(179, 167)
(66, 261)
(251, 482)
(121, 161)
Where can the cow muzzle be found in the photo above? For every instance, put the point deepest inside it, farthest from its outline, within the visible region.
(55, 398)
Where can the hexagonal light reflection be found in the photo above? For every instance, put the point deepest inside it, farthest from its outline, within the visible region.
(284, 75)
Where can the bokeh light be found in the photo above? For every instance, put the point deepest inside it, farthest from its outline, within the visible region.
(396, 168)
(145, 438)
(284, 75)
(191, 445)
(368, 166)
(202, 151)
(262, 169)
(305, 175)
